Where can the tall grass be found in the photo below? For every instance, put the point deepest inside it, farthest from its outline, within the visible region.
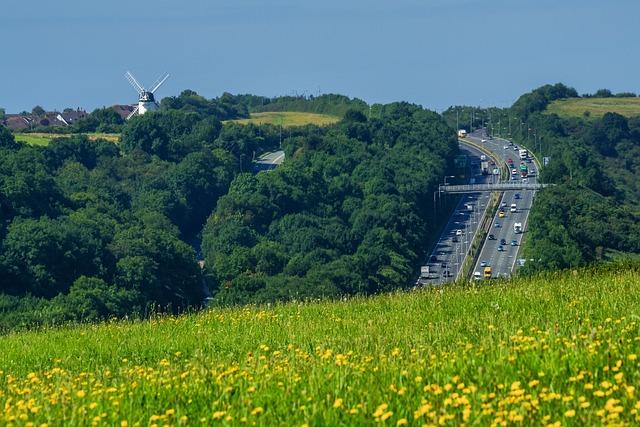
(555, 348)
(596, 107)
(289, 119)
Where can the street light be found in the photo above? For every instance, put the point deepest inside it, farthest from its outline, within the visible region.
(448, 176)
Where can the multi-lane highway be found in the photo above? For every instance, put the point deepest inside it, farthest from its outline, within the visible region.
(450, 251)
(501, 248)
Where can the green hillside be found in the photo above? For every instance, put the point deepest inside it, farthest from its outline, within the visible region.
(289, 118)
(560, 348)
(595, 107)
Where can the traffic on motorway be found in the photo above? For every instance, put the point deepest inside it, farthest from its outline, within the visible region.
(445, 262)
(499, 254)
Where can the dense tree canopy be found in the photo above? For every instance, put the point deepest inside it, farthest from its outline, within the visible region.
(349, 213)
(91, 229)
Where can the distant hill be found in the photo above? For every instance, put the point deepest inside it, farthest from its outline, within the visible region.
(560, 348)
(595, 107)
(331, 104)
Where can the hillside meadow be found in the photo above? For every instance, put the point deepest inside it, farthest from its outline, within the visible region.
(289, 119)
(596, 107)
(43, 139)
(558, 349)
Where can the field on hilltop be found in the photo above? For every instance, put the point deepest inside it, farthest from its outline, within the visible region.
(44, 139)
(596, 107)
(289, 119)
(561, 348)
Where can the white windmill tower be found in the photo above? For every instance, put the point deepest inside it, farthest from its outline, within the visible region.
(146, 100)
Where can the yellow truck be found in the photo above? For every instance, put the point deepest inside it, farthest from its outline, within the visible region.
(487, 272)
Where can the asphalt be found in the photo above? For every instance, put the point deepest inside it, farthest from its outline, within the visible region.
(450, 251)
(503, 264)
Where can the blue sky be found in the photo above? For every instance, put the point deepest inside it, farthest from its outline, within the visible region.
(73, 53)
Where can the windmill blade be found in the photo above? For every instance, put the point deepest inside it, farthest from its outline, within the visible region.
(159, 83)
(137, 86)
(133, 113)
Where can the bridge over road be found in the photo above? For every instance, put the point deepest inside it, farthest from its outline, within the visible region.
(482, 188)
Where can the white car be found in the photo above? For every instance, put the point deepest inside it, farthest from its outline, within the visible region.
(477, 276)
(505, 147)
(458, 232)
(483, 140)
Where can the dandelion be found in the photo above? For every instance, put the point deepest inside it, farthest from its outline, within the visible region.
(570, 413)
(257, 411)
(402, 422)
(337, 403)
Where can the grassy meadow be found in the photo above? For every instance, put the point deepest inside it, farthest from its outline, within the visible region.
(289, 119)
(560, 349)
(597, 107)
(44, 139)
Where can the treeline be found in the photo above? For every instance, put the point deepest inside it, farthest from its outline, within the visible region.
(350, 211)
(331, 104)
(594, 163)
(90, 229)
(107, 120)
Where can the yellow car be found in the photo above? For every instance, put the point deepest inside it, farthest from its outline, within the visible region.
(500, 214)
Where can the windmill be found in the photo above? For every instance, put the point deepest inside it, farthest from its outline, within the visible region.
(146, 100)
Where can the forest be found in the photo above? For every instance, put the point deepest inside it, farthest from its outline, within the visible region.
(94, 229)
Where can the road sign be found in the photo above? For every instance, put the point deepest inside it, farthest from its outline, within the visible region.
(545, 161)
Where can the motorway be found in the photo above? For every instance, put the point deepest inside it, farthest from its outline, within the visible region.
(450, 251)
(503, 263)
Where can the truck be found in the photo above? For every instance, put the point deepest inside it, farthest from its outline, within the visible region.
(517, 227)
(523, 153)
(487, 272)
(424, 272)
(524, 171)
(462, 133)
(484, 167)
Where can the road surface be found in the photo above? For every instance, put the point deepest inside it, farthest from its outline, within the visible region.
(504, 262)
(450, 251)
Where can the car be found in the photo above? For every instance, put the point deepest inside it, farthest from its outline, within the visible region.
(516, 196)
(501, 214)
(492, 237)
(443, 265)
(483, 263)
(477, 275)
(483, 140)
(503, 204)
(514, 243)
(503, 242)
(497, 225)
(500, 248)
(525, 180)
(433, 258)
(505, 147)
(458, 232)
(514, 177)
